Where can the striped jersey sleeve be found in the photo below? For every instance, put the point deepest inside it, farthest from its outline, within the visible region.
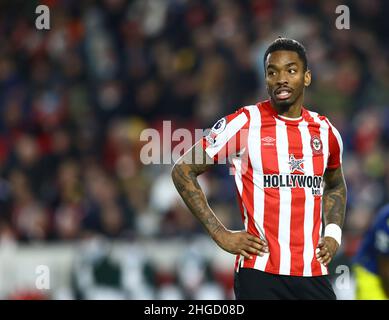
(335, 145)
(227, 136)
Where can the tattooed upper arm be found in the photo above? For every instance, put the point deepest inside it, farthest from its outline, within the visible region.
(184, 175)
(334, 197)
(334, 177)
(196, 160)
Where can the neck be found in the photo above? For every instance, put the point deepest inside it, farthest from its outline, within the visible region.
(292, 111)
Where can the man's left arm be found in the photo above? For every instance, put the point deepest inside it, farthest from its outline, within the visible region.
(334, 207)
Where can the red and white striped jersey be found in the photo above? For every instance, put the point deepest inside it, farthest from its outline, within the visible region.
(278, 166)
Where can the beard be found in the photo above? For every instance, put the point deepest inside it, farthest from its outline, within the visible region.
(283, 105)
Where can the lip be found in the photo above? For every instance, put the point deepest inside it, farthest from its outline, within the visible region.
(283, 88)
(283, 93)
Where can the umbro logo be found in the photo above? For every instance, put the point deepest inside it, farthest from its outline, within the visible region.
(268, 141)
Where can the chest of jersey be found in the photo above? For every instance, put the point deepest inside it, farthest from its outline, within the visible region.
(290, 149)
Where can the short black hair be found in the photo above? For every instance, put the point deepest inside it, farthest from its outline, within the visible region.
(290, 45)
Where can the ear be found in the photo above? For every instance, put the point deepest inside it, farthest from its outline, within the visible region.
(307, 78)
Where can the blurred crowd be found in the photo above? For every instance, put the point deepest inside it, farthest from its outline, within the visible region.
(74, 100)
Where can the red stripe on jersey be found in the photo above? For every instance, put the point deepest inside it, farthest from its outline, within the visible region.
(248, 199)
(272, 195)
(296, 243)
(204, 143)
(318, 168)
(248, 191)
(241, 208)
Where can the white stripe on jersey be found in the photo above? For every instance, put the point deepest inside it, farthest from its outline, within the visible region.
(285, 198)
(237, 162)
(309, 199)
(254, 144)
(324, 128)
(231, 129)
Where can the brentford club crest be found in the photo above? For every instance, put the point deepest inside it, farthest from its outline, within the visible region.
(316, 145)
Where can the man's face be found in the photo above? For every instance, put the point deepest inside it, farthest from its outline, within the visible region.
(285, 77)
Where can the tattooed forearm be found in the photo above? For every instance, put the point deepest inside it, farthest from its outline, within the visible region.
(334, 197)
(184, 175)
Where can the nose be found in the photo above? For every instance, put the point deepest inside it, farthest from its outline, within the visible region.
(282, 79)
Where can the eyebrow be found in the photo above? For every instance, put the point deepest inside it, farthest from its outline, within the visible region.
(275, 67)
